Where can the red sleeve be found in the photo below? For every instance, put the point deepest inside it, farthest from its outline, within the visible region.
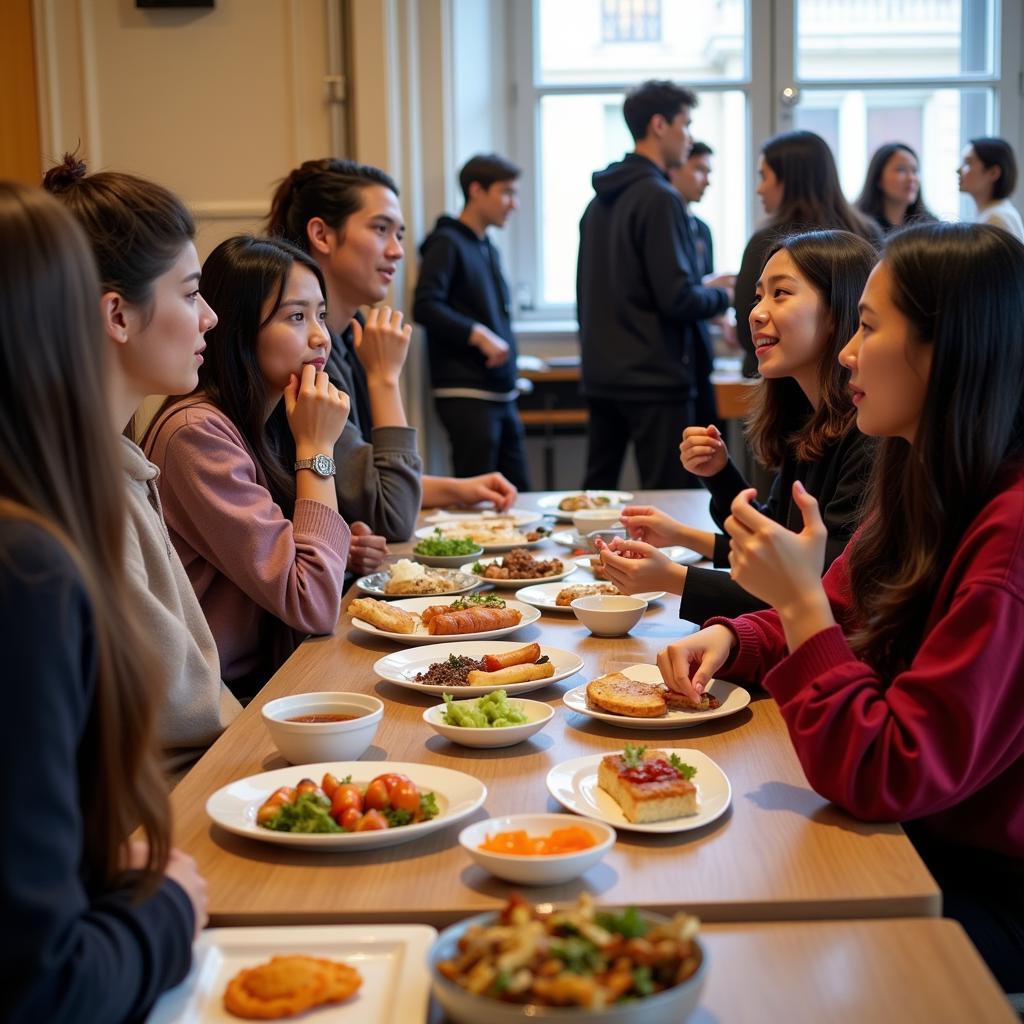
(927, 740)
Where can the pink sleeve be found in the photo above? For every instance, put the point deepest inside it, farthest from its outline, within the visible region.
(213, 501)
(927, 740)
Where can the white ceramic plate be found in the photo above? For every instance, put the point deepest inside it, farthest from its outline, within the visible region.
(543, 596)
(572, 540)
(549, 503)
(421, 636)
(390, 957)
(234, 806)
(574, 785)
(733, 698)
(568, 568)
(402, 667)
(490, 545)
(677, 553)
(463, 582)
(538, 714)
(522, 516)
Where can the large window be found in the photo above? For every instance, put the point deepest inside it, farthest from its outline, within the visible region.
(932, 73)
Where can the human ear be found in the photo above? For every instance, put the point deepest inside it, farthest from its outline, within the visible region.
(319, 234)
(113, 310)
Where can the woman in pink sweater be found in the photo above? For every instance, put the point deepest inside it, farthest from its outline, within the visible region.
(265, 549)
(901, 675)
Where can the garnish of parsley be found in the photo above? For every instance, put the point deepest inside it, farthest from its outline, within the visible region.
(633, 756)
(687, 771)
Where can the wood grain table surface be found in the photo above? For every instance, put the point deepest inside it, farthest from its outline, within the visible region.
(780, 852)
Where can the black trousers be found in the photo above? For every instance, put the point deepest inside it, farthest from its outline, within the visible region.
(654, 428)
(485, 436)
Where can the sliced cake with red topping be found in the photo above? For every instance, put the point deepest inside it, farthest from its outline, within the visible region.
(649, 785)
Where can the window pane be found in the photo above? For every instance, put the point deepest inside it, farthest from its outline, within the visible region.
(597, 41)
(936, 123)
(583, 134)
(885, 39)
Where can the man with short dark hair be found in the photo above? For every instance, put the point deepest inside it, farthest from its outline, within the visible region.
(640, 299)
(462, 299)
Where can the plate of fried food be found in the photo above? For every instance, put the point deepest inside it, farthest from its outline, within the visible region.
(637, 698)
(517, 567)
(478, 667)
(643, 790)
(350, 974)
(499, 534)
(355, 805)
(564, 503)
(425, 620)
(411, 579)
(558, 597)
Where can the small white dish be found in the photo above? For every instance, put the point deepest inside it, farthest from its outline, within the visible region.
(568, 568)
(460, 583)
(609, 614)
(520, 516)
(544, 595)
(446, 561)
(589, 520)
(234, 806)
(308, 742)
(674, 552)
(493, 545)
(402, 667)
(538, 714)
(421, 636)
(543, 869)
(391, 958)
(733, 698)
(574, 785)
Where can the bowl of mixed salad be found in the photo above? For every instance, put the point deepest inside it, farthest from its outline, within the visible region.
(443, 552)
(489, 721)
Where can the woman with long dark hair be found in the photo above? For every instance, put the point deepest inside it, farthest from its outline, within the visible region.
(801, 427)
(142, 238)
(901, 675)
(891, 196)
(93, 928)
(257, 525)
(799, 189)
(348, 218)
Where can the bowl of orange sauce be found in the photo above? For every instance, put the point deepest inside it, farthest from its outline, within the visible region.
(311, 727)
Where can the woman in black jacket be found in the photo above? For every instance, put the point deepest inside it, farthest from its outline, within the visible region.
(802, 426)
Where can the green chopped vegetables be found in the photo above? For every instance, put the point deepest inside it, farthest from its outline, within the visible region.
(309, 813)
(687, 771)
(445, 546)
(488, 600)
(492, 711)
(633, 756)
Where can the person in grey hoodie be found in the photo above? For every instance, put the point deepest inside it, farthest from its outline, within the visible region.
(640, 299)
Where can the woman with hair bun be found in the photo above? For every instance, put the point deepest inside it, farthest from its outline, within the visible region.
(988, 174)
(900, 675)
(93, 927)
(154, 318)
(798, 186)
(891, 196)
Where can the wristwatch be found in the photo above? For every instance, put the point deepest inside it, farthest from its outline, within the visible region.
(322, 465)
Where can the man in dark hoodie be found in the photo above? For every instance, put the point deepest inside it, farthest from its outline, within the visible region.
(462, 300)
(640, 299)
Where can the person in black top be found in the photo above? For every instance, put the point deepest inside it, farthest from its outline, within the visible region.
(462, 300)
(802, 425)
(640, 299)
(93, 927)
(798, 185)
(891, 196)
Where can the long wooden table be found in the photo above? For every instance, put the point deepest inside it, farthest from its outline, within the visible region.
(780, 852)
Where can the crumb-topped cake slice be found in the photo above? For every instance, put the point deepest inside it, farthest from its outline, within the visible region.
(649, 785)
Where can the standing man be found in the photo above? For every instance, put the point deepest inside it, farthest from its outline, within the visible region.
(640, 299)
(462, 300)
(691, 179)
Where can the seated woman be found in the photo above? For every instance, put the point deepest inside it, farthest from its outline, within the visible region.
(142, 239)
(801, 426)
(891, 196)
(264, 547)
(900, 676)
(347, 217)
(93, 928)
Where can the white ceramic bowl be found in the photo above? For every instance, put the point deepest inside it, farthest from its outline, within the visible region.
(540, 870)
(309, 742)
(587, 520)
(538, 715)
(447, 561)
(672, 1006)
(607, 614)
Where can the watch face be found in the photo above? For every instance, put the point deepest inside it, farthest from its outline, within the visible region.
(322, 465)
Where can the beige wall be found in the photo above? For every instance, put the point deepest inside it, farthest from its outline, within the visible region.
(216, 104)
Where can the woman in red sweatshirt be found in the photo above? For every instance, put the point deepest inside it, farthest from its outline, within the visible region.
(900, 675)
